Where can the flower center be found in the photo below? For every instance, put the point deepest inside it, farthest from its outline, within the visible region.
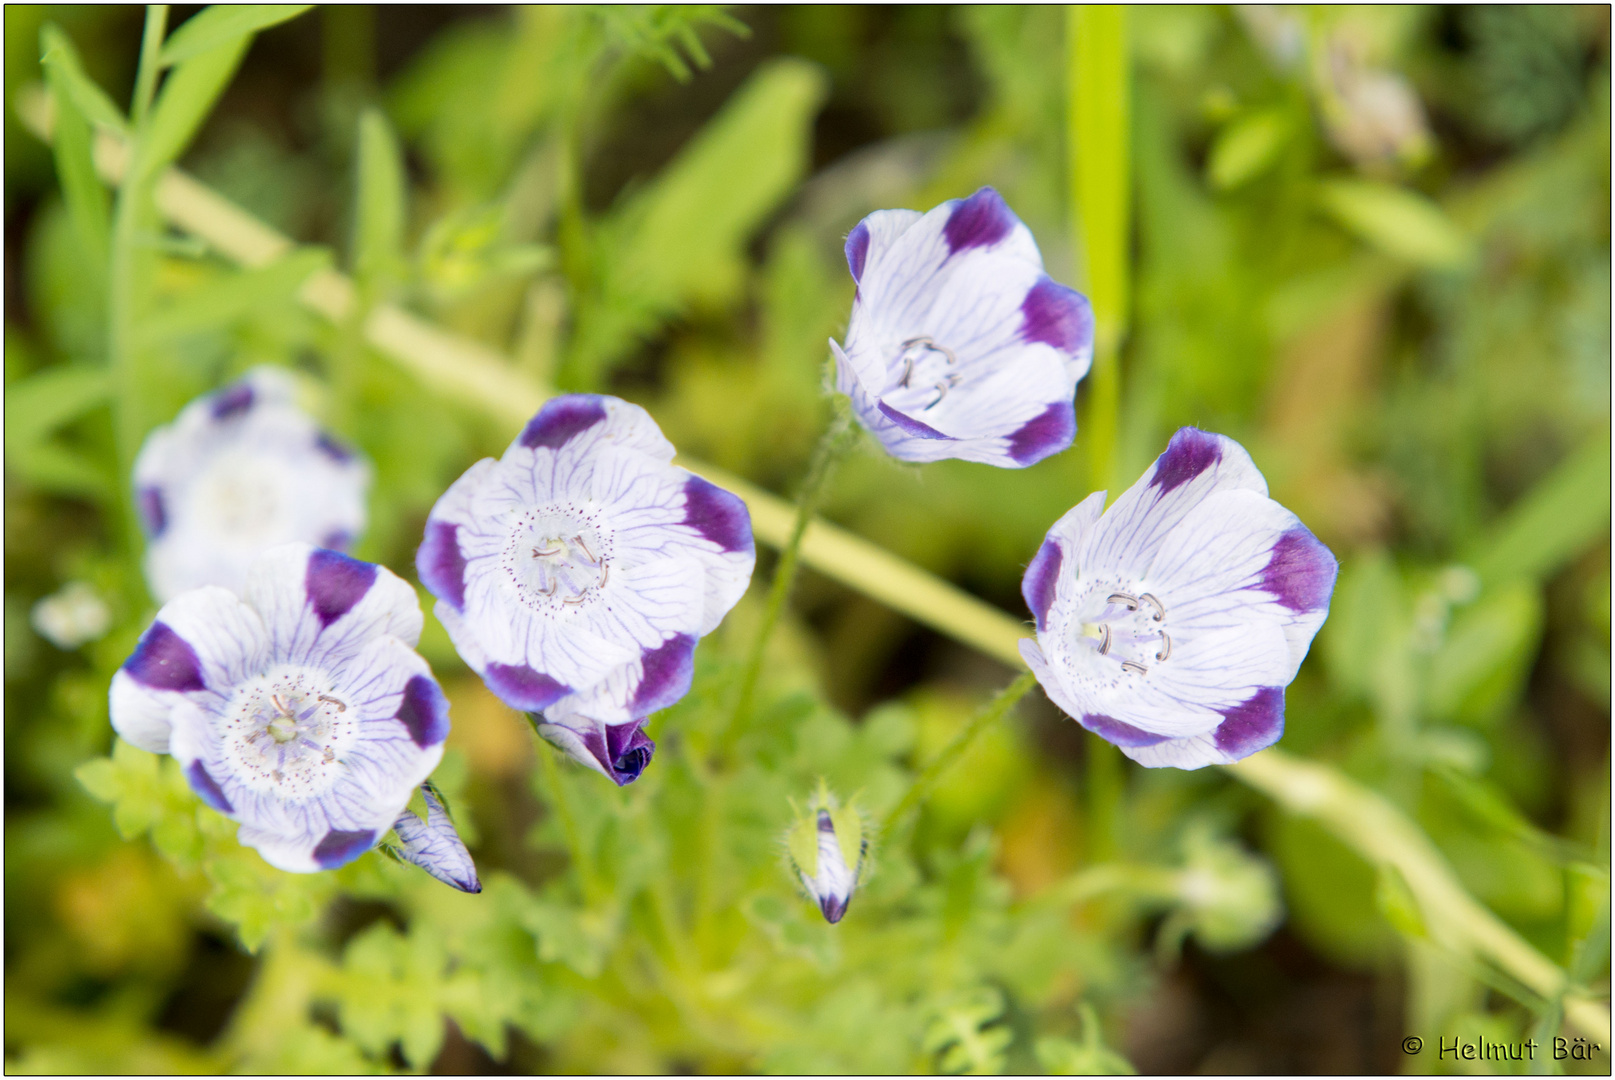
(242, 498)
(1127, 629)
(285, 733)
(929, 371)
(558, 558)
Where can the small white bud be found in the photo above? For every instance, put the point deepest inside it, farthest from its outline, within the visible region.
(74, 615)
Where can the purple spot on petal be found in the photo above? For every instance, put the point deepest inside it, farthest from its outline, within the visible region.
(628, 751)
(1301, 573)
(561, 418)
(520, 687)
(857, 250)
(439, 563)
(1049, 432)
(1041, 578)
(333, 449)
(1254, 725)
(340, 847)
(232, 400)
(334, 583)
(1057, 316)
(165, 661)
(152, 514)
(424, 712)
(668, 669)
(1114, 731)
(203, 784)
(1190, 453)
(911, 425)
(979, 221)
(718, 515)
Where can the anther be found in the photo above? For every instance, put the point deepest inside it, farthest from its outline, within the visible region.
(330, 755)
(1130, 602)
(340, 705)
(928, 343)
(605, 570)
(1166, 647)
(548, 552)
(578, 599)
(554, 585)
(1128, 665)
(941, 389)
(908, 373)
(1104, 644)
(578, 540)
(1160, 609)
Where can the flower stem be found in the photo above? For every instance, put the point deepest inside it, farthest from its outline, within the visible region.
(562, 806)
(151, 45)
(835, 441)
(984, 718)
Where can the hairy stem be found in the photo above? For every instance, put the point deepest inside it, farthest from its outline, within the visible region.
(562, 805)
(988, 715)
(832, 445)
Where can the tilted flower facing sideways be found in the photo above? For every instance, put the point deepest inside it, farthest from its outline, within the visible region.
(299, 708)
(1171, 623)
(239, 471)
(959, 345)
(576, 573)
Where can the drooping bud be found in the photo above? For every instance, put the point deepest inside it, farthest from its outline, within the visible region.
(827, 843)
(434, 845)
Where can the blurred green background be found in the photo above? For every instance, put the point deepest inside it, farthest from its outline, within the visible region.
(1372, 244)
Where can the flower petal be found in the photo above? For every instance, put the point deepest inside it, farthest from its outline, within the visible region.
(320, 607)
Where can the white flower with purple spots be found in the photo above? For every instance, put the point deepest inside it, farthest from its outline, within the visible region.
(576, 573)
(299, 708)
(1171, 623)
(239, 471)
(960, 346)
(434, 845)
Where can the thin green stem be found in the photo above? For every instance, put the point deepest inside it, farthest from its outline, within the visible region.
(562, 805)
(989, 714)
(151, 45)
(835, 441)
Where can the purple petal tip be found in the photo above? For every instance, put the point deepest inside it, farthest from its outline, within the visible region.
(718, 515)
(1254, 725)
(1190, 453)
(440, 565)
(1058, 316)
(1301, 573)
(979, 221)
(857, 249)
(338, 848)
(1114, 731)
(1047, 433)
(561, 419)
(335, 582)
(1042, 576)
(424, 711)
(165, 661)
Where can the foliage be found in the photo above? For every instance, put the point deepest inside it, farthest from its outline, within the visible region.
(1415, 348)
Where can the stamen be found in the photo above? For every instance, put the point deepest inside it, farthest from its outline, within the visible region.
(908, 372)
(578, 599)
(605, 570)
(578, 540)
(941, 389)
(554, 585)
(548, 552)
(1130, 602)
(1166, 647)
(1160, 609)
(928, 343)
(329, 755)
(340, 705)
(1104, 645)
(1128, 665)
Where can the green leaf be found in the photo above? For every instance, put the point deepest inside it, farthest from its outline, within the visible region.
(35, 408)
(82, 190)
(224, 24)
(1398, 221)
(232, 297)
(704, 207)
(578, 939)
(1554, 522)
(1396, 902)
(1246, 148)
(145, 794)
(1486, 655)
(256, 898)
(378, 234)
(188, 95)
(388, 992)
(963, 1034)
(1090, 1057)
(61, 62)
(660, 31)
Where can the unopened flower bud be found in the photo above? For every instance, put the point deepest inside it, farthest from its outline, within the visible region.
(827, 845)
(74, 615)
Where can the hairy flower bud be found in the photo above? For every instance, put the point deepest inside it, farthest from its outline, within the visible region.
(827, 843)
